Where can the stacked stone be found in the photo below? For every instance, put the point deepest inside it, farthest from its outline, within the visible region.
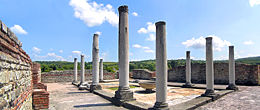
(15, 72)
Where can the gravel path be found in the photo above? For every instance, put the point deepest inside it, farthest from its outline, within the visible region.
(65, 96)
(247, 98)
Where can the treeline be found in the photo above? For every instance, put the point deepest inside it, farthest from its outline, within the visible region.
(47, 66)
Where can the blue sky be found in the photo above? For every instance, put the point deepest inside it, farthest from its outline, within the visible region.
(63, 29)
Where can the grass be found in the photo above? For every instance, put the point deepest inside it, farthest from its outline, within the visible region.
(116, 88)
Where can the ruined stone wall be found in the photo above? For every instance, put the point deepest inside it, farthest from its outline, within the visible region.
(245, 74)
(15, 72)
(142, 74)
(68, 76)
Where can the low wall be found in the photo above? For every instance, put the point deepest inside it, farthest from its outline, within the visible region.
(245, 74)
(68, 76)
(142, 74)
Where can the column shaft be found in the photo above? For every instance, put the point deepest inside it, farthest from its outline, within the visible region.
(123, 48)
(232, 70)
(101, 70)
(95, 58)
(123, 92)
(75, 70)
(188, 68)
(209, 64)
(161, 65)
(82, 70)
(231, 65)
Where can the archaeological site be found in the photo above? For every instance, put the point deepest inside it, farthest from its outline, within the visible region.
(89, 80)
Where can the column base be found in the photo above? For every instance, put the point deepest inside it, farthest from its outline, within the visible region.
(95, 87)
(124, 94)
(75, 83)
(210, 93)
(101, 81)
(187, 85)
(160, 106)
(232, 87)
(83, 86)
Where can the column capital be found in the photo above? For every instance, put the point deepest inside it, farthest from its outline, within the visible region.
(160, 23)
(123, 8)
(96, 35)
(208, 38)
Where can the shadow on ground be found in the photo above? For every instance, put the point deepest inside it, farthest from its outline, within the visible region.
(78, 92)
(92, 105)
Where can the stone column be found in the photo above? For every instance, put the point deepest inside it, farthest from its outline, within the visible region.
(95, 65)
(101, 70)
(82, 76)
(209, 68)
(188, 70)
(123, 92)
(75, 70)
(161, 66)
(232, 79)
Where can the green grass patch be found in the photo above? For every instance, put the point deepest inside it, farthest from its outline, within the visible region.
(116, 88)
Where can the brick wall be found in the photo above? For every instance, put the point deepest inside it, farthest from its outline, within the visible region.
(245, 74)
(15, 72)
(40, 96)
(68, 76)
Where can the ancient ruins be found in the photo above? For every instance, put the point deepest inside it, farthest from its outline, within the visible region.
(22, 88)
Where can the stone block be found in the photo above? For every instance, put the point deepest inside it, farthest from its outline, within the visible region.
(9, 32)
(4, 27)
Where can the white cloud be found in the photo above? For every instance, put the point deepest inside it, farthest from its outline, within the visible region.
(149, 51)
(49, 57)
(200, 42)
(137, 46)
(76, 52)
(146, 49)
(254, 2)
(18, 29)
(103, 56)
(99, 33)
(51, 49)
(151, 37)
(150, 28)
(135, 14)
(94, 14)
(36, 50)
(61, 51)
(248, 42)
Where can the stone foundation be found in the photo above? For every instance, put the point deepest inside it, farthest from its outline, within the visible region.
(68, 76)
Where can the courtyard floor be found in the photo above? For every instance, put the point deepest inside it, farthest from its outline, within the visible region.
(247, 98)
(175, 95)
(65, 96)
